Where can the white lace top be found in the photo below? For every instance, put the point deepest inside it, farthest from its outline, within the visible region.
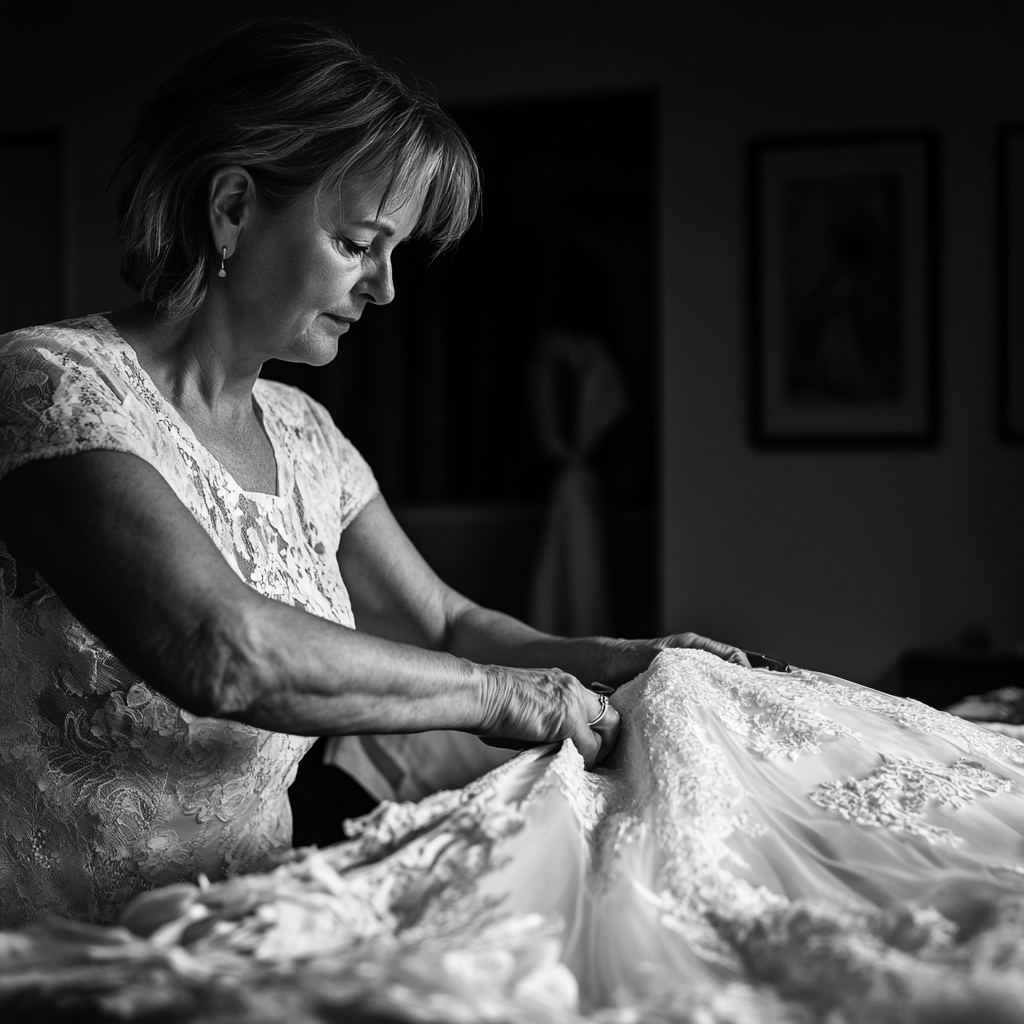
(106, 787)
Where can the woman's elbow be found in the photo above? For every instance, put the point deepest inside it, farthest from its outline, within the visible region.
(218, 670)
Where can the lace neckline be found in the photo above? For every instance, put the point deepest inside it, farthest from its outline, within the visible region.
(161, 405)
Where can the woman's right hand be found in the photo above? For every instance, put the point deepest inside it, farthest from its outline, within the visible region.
(529, 706)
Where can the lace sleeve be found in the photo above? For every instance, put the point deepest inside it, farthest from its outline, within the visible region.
(57, 400)
(357, 482)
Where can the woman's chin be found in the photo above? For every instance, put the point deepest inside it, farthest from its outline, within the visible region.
(318, 351)
(323, 355)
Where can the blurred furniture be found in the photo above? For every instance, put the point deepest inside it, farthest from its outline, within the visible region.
(943, 677)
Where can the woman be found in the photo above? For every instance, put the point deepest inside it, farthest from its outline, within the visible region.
(187, 548)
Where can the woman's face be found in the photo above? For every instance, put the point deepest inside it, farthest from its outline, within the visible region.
(299, 278)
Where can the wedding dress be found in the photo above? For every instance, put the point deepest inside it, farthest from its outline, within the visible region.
(761, 847)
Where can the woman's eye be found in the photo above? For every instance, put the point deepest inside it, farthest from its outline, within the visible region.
(356, 249)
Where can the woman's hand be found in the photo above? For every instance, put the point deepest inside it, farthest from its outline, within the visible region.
(629, 658)
(527, 707)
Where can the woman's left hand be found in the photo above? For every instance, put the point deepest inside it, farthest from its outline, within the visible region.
(631, 657)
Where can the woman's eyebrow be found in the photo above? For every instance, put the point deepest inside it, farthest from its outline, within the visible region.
(377, 225)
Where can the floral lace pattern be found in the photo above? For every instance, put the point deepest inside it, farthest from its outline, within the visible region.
(685, 793)
(911, 714)
(107, 787)
(776, 715)
(897, 794)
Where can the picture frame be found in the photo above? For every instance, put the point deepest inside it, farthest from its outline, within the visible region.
(843, 297)
(1010, 277)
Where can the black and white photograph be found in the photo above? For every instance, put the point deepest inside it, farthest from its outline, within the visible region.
(511, 513)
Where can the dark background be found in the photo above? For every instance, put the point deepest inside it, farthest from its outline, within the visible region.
(838, 560)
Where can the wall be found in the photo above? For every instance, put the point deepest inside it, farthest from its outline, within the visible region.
(837, 560)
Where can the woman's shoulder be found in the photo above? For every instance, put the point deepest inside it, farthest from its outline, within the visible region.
(78, 333)
(87, 343)
(70, 387)
(286, 400)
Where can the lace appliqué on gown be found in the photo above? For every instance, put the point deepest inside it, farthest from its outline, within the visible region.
(107, 787)
(909, 713)
(776, 718)
(897, 794)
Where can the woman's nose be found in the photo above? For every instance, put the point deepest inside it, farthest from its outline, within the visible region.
(379, 284)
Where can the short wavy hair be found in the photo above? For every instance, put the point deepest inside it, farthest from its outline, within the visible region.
(298, 106)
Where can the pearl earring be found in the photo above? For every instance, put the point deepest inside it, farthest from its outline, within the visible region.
(223, 256)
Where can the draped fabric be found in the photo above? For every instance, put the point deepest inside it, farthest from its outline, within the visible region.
(107, 787)
(569, 590)
(762, 848)
(410, 766)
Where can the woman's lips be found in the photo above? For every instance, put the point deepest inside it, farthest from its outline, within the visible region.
(344, 322)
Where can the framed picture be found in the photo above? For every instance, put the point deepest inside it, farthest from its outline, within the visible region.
(843, 293)
(1010, 229)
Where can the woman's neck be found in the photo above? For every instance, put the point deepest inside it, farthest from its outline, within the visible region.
(199, 372)
(197, 364)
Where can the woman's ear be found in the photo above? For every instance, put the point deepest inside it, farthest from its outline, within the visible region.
(232, 203)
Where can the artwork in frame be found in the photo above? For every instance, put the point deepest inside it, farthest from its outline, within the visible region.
(1010, 228)
(843, 332)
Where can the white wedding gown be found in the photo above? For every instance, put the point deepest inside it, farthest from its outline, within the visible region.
(763, 847)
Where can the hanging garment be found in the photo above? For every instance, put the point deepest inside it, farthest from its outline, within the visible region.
(569, 594)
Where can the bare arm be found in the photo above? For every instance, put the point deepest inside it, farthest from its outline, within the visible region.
(129, 560)
(396, 595)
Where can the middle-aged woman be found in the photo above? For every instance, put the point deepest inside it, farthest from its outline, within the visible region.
(187, 549)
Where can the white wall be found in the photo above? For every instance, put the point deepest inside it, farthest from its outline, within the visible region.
(838, 560)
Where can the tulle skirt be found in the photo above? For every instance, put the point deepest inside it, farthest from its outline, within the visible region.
(761, 847)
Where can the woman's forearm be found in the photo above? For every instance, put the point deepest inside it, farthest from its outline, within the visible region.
(131, 563)
(277, 667)
(395, 594)
(491, 637)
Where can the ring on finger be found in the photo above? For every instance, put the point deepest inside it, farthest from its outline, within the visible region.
(604, 707)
